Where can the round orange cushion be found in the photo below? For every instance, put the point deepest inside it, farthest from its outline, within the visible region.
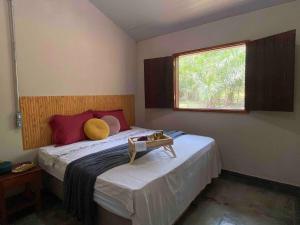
(96, 129)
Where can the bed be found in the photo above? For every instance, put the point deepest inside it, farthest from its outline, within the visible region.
(155, 190)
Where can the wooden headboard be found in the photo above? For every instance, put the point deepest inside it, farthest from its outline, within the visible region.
(38, 110)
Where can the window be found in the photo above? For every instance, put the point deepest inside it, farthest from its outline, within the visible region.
(256, 75)
(211, 79)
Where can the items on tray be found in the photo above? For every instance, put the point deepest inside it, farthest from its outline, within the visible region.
(155, 136)
(155, 140)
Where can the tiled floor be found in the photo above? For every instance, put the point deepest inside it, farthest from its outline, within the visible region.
(231, 202)
(227, 201)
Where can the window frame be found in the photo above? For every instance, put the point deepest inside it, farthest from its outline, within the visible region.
(176, 77)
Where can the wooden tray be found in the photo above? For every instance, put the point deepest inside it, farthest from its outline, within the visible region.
(165, 141)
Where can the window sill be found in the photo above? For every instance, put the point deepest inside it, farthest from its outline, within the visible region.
(241, 111)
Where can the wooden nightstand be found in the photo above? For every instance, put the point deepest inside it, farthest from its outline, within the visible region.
(31, 180)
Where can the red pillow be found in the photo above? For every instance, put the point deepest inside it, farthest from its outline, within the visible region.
(116, 113)
(68, 129)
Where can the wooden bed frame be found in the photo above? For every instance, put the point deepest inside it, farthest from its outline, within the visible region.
(37, 110)
(36, 132)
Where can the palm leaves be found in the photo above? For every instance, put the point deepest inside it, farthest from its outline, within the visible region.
(213, 79)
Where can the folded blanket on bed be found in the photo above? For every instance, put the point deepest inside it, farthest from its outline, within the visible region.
(81, 174)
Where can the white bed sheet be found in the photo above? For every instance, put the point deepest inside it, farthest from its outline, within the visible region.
(156, 188)
(54, 160)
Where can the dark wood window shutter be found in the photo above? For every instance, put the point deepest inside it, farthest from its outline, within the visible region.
(158, 78)
(270, 68)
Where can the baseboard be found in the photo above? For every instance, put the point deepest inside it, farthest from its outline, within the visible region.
(276, 186)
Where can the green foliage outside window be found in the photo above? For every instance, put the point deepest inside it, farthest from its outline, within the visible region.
(213, 79)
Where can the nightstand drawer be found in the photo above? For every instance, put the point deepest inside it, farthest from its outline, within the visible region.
(31, 196)
(33, 178)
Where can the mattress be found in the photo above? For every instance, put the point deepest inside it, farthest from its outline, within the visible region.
(153, 184)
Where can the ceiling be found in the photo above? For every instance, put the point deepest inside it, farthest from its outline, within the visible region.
(143, 19)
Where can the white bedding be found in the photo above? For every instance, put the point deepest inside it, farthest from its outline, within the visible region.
(156, 188)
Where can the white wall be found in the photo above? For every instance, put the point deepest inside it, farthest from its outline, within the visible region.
(262, 144)
(64, 47)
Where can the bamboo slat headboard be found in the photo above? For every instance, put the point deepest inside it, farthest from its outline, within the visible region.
(38, 110)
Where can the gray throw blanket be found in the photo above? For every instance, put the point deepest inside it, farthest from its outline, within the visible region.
(81, 174)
